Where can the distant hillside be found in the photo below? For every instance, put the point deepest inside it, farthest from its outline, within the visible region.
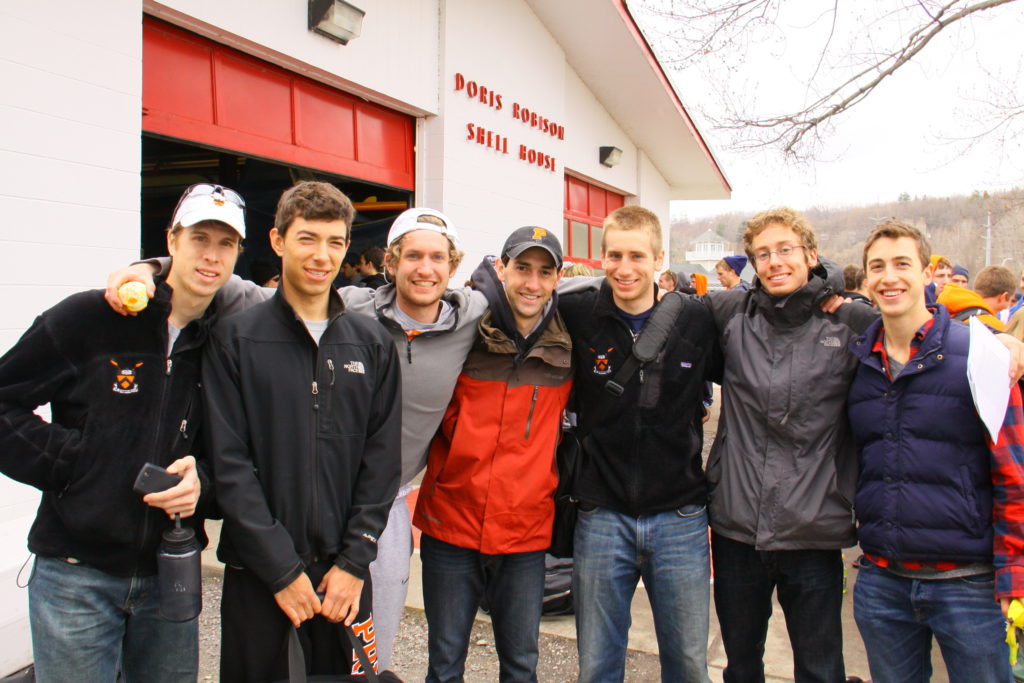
(955, 227)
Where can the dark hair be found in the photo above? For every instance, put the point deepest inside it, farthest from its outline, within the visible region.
(853, 277)
(894, 229)
(313, 200)
(374, 256)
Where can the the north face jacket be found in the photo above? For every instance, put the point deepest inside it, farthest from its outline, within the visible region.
(117, 402)
(644, 455)
(782, 470)
(304, 439)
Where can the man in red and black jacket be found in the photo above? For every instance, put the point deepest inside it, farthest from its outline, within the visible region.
(486, 505)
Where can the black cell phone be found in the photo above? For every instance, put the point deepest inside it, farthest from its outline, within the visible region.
(153, 479)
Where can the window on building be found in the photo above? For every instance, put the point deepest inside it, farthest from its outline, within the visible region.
(586, 206)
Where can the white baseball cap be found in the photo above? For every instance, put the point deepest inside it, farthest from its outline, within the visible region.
(411, 219)
(209, 202)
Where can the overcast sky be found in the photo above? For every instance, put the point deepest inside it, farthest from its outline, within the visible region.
(895, 141)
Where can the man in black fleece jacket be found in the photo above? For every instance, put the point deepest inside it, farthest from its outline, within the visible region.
(305, 435)
(123, 391)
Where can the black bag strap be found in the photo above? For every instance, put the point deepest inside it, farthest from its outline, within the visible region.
(966, 313)
(646, 347)
(297, 661)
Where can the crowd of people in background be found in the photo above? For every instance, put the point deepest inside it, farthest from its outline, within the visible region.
(303, 415)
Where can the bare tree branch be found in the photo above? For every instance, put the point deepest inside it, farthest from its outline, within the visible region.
(797, 132)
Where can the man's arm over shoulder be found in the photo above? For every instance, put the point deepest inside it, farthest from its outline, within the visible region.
(380, 468)
(32, 450)
(236, 295)
(263, 543)
(580, 283)
(1008, 501)
(858, 317)
(707, 337)
(725, 304)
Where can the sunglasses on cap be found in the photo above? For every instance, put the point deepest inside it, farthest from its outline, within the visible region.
(204, 189)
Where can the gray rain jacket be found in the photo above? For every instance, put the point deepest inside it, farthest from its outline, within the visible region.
(783, 468)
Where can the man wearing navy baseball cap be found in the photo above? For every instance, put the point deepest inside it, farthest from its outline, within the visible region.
(486, 505)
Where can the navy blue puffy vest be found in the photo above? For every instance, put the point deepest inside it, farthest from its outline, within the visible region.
(925, 486)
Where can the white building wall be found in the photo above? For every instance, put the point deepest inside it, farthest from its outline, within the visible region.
(655, 195)
(489, 192)
(70, 111)
(592, 127)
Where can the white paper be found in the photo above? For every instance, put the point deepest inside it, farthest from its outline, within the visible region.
(988, 372)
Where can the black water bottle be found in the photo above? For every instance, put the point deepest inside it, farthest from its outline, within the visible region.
(180, 574)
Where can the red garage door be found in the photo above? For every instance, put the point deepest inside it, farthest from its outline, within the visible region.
(197, 90)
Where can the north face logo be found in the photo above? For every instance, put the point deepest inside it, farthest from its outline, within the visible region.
(833, 342)
(124, 379)
(354, 366)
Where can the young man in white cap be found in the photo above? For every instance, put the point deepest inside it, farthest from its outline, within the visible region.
(122, 395)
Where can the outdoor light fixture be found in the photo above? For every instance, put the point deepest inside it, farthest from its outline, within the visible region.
(610, 156)
(336, 19)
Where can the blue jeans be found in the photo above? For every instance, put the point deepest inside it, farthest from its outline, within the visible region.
(810, 591)
(669, 550)
(454, 580)
(87, 625)
(897, 617)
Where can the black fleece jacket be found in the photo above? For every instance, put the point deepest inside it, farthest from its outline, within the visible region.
(117, 401)
(643, 455)
(306, 438)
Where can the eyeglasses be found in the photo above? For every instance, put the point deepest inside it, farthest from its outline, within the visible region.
(784, 252)
(204, 189)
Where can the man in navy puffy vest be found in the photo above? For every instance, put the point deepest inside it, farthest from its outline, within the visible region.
(940, 507)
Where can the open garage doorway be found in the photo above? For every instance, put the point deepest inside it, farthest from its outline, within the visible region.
(170, 166)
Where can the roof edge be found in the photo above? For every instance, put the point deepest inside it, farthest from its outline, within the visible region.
(656, 66)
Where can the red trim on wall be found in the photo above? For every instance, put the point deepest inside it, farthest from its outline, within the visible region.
(198, 90)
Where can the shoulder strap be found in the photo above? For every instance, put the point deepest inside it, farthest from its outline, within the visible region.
(966, 313)
(297, 661)
(650, 342)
